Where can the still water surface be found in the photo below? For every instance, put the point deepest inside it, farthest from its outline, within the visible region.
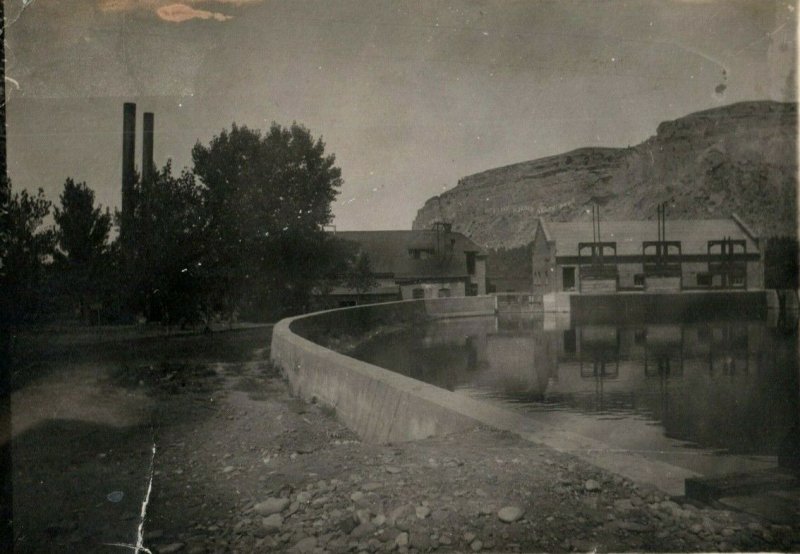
(711, 396)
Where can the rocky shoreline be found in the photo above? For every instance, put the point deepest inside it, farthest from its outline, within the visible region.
(242, 466)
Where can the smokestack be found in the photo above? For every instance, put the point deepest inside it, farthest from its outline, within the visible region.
(128, 153)
(147, 147)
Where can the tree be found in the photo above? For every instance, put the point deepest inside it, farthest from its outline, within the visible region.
(25, 247)
(267, 199)
(82, 235)
(168, 279)
(360, 277)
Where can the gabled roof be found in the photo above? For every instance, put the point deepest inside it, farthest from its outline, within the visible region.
(388, 252)
(694, 234)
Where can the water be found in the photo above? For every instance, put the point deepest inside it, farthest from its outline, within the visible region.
(711, 396)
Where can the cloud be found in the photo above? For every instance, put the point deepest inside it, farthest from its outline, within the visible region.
(178, 13)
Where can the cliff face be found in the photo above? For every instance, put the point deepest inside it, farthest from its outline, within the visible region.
(740, 158)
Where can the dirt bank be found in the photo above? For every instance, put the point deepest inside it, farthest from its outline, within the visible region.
(240, 466)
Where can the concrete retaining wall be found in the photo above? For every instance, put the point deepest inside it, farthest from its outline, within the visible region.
(382, 406)
(378, 404)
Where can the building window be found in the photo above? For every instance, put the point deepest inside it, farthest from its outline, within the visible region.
(416, 294)
(472, 289)
(568, 278)
(444, 293)
(737, 280)
(703, 279)
(638, 280)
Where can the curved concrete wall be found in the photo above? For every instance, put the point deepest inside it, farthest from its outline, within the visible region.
(378, 404)
(383, 406)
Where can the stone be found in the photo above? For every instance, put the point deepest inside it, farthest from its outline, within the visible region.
(422, 512)
(469, 537)
(398, 513)
(379, 520)
(401, 540)
(272, 523)
(371, 486)
(392, 469)
(271, 506)
(303, 497)
(419, 540)
(362, 516)
(363, 530)
(591, 485)
(346, 525)
(633, 526)
(623, 505)
(227, 469)
(356, 496)
(476, 546)
(305, 546)
(510, 514)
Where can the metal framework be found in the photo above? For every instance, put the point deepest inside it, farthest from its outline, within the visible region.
(727, 259)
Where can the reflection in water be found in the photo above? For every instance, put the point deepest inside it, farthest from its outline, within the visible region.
(716, 385)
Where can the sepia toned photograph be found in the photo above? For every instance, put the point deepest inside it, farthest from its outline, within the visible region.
(407, 276)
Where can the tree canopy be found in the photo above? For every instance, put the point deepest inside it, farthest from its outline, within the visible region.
(25, 246)
(267, 198)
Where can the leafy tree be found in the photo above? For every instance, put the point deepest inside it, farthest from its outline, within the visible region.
(25, 248)
(781, 263)
(169, 281)
(82, 235)
(267, 198)
(360, 277)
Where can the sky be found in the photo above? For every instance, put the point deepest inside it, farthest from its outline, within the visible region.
(409, 96)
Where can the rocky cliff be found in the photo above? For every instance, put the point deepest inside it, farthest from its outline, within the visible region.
(739, 158)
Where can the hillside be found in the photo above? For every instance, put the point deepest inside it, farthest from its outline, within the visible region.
(739, 158)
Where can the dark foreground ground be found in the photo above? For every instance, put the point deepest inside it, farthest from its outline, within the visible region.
(240, 466)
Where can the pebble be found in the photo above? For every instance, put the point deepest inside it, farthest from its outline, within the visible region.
(476, 546)
(401, 539)
(227, 469)
(469, 537)
(363, 530)
(305, 546)
(423, 512)
(591, 485)
(510, 514)
(272, 523)
(271, 506)
(392, 469)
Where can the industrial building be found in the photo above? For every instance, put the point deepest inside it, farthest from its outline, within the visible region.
(432, 263)
(646, 256)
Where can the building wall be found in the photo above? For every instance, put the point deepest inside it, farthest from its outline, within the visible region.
(689, 272)
(598, 285)
(627, 274)
(663, 284)
(543, 263)
(755, 274)
(480, 275)
(431, 290)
